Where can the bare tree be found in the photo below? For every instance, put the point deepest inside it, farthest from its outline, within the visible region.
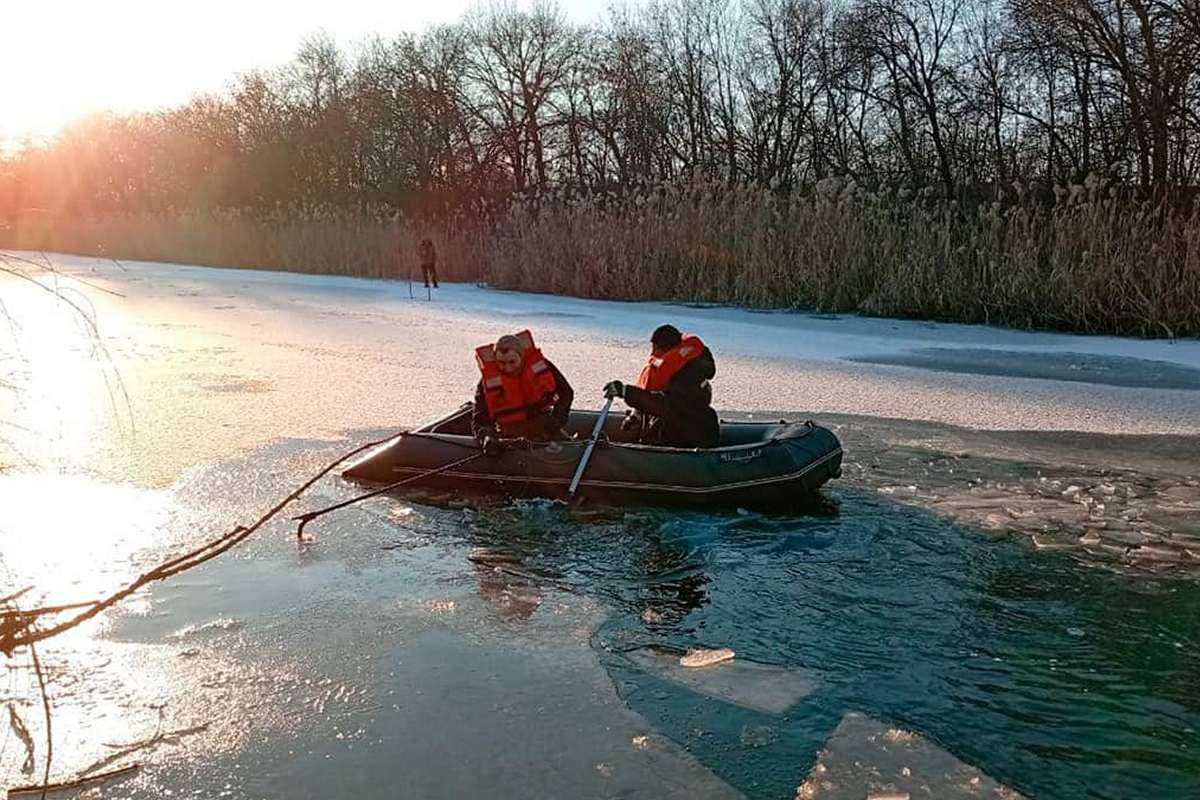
(783, 83)
(960, 93)
(517, 60)
(916, 41)
(1150, 50)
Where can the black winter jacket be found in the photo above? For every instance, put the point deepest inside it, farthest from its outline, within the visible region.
(681, 415)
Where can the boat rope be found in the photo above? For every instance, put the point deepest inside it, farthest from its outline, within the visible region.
(306, 518)
(18, 630)
(440, 438)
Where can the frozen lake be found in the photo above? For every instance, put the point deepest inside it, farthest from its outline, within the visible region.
(1007, 572)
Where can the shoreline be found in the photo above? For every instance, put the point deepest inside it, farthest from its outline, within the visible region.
(216, 361)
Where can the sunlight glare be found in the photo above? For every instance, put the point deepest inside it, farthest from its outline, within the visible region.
(67, 59)
(61, 386)
(72, 537)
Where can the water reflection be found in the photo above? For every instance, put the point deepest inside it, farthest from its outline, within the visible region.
(61, 379)
(505, 585)
(532, 543)
(1059, 680)
(75, 538)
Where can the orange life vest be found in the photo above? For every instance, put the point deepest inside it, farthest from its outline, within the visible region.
(512, 399)
(660, 369)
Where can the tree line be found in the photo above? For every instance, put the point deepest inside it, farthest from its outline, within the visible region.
(939, 97)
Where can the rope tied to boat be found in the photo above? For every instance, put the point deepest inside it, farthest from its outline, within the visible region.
(308, 517)
(17, 629)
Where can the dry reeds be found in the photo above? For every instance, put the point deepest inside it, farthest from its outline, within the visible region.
(1097, 265)
(367, 243)
(1092, 262)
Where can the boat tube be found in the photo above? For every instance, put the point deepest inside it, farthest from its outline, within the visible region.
(762, 466)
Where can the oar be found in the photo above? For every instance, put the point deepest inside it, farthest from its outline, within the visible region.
(591, 445)
(304, 519)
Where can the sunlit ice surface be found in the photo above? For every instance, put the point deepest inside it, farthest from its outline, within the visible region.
(71, 536)
(74, 538)
(464, 649)
(117, 699)
(61, 382)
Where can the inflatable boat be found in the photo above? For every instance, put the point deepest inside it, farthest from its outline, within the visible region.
(763, 466)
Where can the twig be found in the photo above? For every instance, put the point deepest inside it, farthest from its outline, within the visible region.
(14, 596)
(75, 784)
(41, 612)
(16, 620)
(37, 666)
(49, 267)
(171, 737)
(92, 328)
(18, 726)
(11, 640)
(308, 517)
(159, 736)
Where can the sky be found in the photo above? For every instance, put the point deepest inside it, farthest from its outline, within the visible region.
(62, 59)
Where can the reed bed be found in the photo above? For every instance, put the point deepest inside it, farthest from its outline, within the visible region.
(364, 243)
(1092, 262)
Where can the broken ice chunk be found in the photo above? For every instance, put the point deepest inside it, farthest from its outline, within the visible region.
(865, 758)
(767, 688)
(699, 657)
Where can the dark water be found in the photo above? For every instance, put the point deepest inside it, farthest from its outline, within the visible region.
(1105, 370)
(419, 632)
(1059, 679)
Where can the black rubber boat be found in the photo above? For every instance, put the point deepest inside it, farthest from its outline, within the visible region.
(764, 466)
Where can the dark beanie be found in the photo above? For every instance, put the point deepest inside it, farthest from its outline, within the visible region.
(666, 337)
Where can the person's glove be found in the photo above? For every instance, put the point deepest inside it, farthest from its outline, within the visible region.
(489, 443)
(614, 389)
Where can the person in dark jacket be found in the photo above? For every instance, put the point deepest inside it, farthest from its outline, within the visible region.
(672, 403)
(520, 394)
(428, 256)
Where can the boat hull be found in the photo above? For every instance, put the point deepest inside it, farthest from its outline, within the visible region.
(765, 466)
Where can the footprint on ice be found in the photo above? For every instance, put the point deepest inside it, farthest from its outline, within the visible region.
(767, 688)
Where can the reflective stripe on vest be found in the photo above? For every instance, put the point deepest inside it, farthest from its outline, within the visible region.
(516, 398)
(659, 370)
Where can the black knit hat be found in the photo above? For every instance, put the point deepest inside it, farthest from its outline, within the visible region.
(666, 337)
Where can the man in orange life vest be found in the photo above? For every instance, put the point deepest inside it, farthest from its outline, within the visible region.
(672, 401)
(520, 394)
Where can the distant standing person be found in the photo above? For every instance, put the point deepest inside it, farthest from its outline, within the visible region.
(428, 257)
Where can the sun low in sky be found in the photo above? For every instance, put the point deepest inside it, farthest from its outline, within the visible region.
(62, 60)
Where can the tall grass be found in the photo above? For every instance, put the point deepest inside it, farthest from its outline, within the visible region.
(366, 243)
(1092, 262)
